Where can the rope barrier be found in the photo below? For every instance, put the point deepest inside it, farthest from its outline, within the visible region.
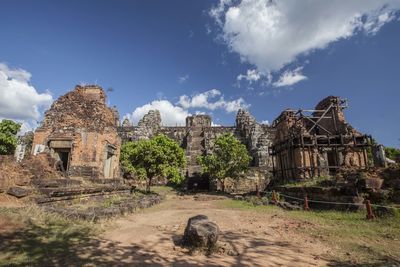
(335, 203)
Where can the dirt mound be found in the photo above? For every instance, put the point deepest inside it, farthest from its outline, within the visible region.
(14, 173)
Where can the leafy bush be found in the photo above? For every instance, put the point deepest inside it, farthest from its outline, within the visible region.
(392, 153)
(228, 159)
(8, 138)
(159, 156)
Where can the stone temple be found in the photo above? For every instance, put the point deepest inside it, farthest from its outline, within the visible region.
(197, 136)
(85, 135)
(81, 131)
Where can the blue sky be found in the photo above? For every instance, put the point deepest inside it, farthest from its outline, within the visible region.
(212, 57)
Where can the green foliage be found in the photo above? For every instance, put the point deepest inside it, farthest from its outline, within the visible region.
(392, 153)
(159, 156)
(8, 139)
(229, 159)
(369, 151)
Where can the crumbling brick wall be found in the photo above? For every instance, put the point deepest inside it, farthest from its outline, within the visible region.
(80, 123)
(318, 144)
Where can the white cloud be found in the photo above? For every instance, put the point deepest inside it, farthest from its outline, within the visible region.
(182, 79)
(204, 100)
(266, 122)
(377, 21)
(271, 34)
(290, 77)
(252, 75)
(170, 115)
(19, 100)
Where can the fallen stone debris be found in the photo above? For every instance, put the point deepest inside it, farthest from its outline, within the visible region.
(123, 205)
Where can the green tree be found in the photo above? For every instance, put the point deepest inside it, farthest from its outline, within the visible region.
(228, 159)
(8, 136)
(392, 153)
(159, 156)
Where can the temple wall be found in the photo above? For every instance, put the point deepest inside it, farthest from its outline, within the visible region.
(80, 132)
(198, 136)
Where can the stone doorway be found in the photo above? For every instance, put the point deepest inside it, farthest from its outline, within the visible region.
(107, 166)
(109, 162)
(332, 162)
(63, 154)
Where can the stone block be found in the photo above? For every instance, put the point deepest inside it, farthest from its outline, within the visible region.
(18, 191)
(201, 233)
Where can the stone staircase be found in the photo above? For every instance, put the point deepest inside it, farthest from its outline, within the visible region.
(195, 148)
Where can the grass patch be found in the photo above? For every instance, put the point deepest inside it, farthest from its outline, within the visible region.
(308, 182)
(42, 239)
(163, 190)
(244, 205)
(359, 240)
(354, 239)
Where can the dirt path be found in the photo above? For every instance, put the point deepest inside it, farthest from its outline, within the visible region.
(253, 238)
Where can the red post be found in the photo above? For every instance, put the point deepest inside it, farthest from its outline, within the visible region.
(257, 191)
(274, 197)
(370, 214)
(305, 206)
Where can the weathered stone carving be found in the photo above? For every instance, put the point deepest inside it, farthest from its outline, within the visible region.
(149, 125)
(257, 137)
(126, 123)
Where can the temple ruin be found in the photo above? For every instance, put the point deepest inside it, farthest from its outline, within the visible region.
(80, 132)
(197, 136)
(85, 136)
(317, 142)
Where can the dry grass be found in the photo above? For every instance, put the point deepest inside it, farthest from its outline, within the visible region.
(353, 239)
(31, 237)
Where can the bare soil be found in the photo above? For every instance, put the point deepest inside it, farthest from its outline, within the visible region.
(248, 238)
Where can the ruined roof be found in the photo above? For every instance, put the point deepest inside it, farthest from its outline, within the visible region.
(327, 117)
(334, 100)
(83, 107)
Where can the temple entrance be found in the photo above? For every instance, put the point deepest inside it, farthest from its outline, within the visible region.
(63, 156)
(107, 166)
(332, 164)
(61, 152)
(108, 162)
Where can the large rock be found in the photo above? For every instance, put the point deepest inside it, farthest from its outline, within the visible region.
(201, 233)
(18, 191)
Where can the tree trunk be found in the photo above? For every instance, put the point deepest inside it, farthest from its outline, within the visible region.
(148, 184)
(222, 185)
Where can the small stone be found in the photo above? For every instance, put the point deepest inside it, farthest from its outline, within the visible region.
(18, 192)
(232, 253)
